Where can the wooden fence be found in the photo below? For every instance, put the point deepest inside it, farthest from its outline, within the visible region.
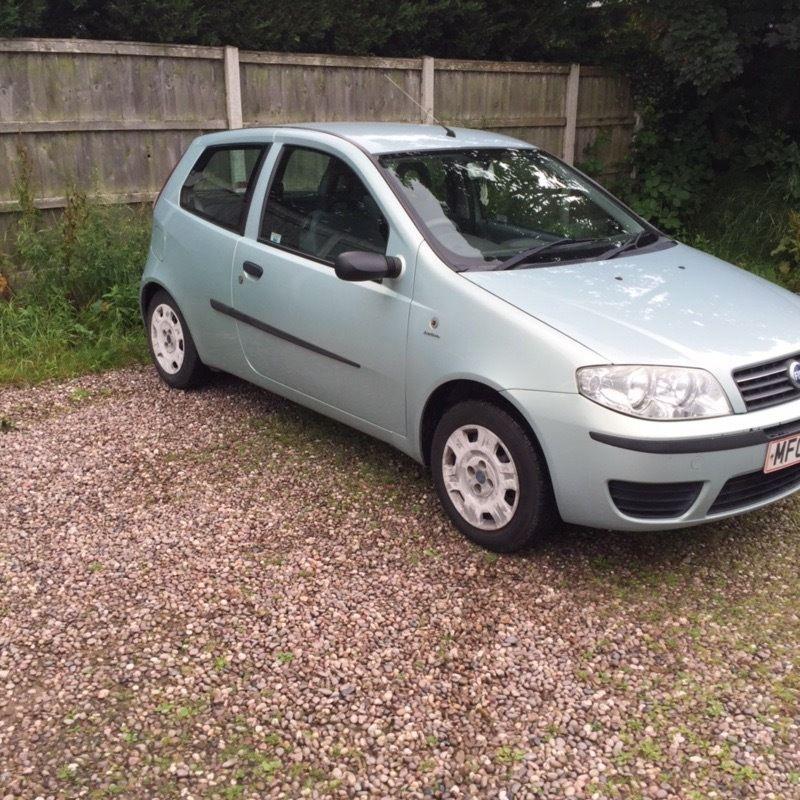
(112, 118)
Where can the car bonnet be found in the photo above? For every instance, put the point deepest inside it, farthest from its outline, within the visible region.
(673, 306)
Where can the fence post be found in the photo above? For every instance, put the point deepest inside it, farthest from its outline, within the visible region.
(426, 90)
(233, 87)
(571, 113)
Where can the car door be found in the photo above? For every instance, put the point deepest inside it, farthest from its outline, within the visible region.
(338, 342)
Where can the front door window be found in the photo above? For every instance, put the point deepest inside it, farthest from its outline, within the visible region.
(319, 207)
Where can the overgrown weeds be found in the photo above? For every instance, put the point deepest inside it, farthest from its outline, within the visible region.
(733, 197)
(744, 220)
(55, 340)
(75, 308)
(747, 214)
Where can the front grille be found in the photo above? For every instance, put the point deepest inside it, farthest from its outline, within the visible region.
(744, 490)
(766, 384)
(653, 500)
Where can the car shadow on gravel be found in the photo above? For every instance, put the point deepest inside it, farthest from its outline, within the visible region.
(370, 456)
(655, 557)
(655, 547)
(672, 566)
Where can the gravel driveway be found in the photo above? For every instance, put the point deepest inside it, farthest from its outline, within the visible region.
(218, 594)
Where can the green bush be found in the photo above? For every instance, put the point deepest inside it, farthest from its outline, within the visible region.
(671, 169)
(716, 158)
(75, 308)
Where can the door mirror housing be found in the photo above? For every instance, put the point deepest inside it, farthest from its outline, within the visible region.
(359, 265)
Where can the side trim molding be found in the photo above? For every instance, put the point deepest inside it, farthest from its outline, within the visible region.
(287, 337)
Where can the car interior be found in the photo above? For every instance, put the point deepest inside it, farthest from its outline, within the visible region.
(217, 186)
(324, 218)
(473, 211)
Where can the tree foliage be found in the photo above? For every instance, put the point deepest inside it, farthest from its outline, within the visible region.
(460, 28)
(716, 82)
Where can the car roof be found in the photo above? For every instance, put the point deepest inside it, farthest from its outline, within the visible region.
(396, 137)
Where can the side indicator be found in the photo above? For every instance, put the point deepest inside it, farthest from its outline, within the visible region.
(433, 327)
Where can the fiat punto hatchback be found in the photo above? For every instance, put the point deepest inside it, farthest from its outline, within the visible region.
(489, 311)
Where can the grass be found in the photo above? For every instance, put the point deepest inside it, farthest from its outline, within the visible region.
(220, 663)
(40, 342)
(508, 756)
(7, 424)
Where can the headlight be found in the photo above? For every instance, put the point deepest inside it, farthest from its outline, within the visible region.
(655, 392)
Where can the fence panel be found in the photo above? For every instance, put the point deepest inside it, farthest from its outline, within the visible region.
(279, 88)
(522, 100)
(605, 118)
(106, 117)
(112, 118)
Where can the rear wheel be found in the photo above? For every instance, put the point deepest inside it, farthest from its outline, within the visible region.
(171, 345)
(490, 477)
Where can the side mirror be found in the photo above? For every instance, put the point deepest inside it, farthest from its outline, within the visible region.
(358, 265)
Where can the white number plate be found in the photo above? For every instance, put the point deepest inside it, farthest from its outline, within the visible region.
(782, 453)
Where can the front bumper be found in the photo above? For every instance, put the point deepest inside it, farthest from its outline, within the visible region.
(587, 446)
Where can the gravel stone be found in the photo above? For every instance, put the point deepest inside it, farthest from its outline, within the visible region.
(217, 594)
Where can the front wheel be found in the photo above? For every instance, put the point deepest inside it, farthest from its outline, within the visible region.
(171, 345)
(490, 477)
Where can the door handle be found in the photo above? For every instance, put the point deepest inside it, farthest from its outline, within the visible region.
(253, 269)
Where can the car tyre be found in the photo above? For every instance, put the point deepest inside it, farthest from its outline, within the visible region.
(171, 345)
(491, 477)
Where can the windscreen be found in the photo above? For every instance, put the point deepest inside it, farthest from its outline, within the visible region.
(483, 207)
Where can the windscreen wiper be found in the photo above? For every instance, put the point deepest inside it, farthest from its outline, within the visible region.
(527, 255)
(632, 244)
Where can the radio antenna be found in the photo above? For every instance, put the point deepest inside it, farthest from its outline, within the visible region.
(424, 110)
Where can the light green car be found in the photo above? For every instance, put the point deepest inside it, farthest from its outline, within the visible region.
(489, 311)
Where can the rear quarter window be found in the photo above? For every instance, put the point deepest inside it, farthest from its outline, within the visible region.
(220, 184)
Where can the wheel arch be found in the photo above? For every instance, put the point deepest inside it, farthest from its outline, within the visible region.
(146, 295)
(458, 390)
